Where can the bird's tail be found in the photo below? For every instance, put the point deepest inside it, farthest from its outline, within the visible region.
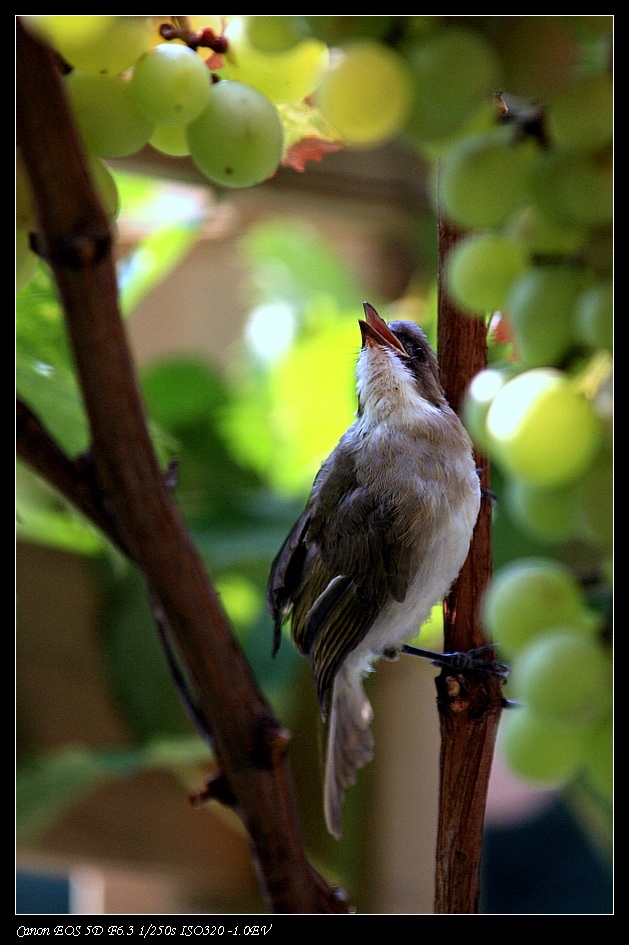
(349, 743)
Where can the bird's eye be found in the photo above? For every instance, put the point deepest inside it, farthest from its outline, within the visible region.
(416, 351)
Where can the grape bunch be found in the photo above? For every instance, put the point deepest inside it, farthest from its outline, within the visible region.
(531, 194)
(513, 116)
(138, 80)
(561, 673)
(207, 88)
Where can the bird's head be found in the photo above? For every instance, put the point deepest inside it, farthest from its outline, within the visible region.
(397, 372)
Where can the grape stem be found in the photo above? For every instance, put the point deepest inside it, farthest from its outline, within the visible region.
(120, 486)
(205, 38)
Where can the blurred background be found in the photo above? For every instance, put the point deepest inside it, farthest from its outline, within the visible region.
(242, 315)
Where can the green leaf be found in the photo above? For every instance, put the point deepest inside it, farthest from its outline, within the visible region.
(135, 663)
(44, 373)
(47, 785)
(170, 217)
(188, 398)
(292, 262)
(289, 414)
(152, 260)
(45, 518)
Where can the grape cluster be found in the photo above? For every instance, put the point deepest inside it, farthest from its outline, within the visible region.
(531, 194)
(513, 115)
(134, 80)
(209, 88)
(561, 673)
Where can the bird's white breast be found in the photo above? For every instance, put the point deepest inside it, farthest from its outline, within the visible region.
(446, 496)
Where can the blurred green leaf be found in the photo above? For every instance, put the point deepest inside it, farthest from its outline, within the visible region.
(188, 399)
(288, 414)
(42, 516)
(47, 785)
(152, 260)
(44, 373)
(134, 660)
(46, 380)
(169, 216)
(293, 262)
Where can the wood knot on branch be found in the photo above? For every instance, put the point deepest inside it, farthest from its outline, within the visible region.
(78, 250)
(216, 789)
(271, 743)
(472, 694)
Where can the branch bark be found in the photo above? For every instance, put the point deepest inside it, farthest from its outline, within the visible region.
(469, 705)
(121, 487)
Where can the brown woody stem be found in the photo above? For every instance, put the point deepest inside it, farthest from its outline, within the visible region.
(469, 704)
(127, 494)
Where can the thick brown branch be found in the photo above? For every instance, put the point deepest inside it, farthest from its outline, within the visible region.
(132, 490)
(469, 706)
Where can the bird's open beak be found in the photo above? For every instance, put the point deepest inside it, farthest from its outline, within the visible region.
(374, 329)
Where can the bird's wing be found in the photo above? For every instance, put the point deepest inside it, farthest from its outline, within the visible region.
(332, 628)
(336, 569)
(286, 575)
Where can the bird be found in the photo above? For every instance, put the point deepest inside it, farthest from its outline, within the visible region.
(383, 536)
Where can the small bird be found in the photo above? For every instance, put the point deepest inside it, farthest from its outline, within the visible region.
(383, 536)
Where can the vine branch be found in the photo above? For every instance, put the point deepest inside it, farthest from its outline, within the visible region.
(120, 486)
(469, 706)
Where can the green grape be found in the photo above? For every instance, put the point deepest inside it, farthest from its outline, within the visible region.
(366, 95)
(574, 188)
(106, 187)
(484, 178)
(170, 84)
(106, 115)
(528, 596)
(275, 34)
(563, 676)
(542, 429)
(69, 32)
(107, 47)
(336, 30)
(599, 758)
(581, 115)
(102, 179)
(543, 237)
(541, 305)
(546, 514)
(455, 73)
(540, 754)
(480, 269)
(593, 502)
(25, 259)
(539, 55)
(238, 139)
(170, 139)
(594, 316)
(283, 77)
(477, 400)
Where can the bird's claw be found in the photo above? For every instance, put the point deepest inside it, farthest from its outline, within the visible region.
(471, 661)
